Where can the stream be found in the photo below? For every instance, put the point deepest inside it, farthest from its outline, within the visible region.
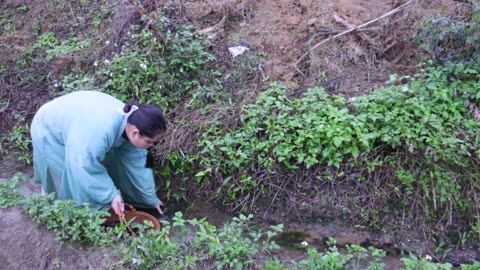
(294, 234)
(314, 235)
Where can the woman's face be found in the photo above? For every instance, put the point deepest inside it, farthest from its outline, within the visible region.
(138, 140)
(144, 141)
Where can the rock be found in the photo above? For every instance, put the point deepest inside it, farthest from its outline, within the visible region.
(343, 240)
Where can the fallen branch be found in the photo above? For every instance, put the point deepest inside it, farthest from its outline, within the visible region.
(360, 34)
(352, 29)
(213, 29)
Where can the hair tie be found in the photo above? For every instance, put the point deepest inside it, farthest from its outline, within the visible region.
(134, 108)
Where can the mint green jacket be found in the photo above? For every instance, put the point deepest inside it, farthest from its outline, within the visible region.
(79, 152)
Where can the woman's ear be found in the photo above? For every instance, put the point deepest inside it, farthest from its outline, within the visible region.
(135, 132)
(132, 131)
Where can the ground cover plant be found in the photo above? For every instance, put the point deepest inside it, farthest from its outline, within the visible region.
(190, 243)
(426, 118)
(158, 65)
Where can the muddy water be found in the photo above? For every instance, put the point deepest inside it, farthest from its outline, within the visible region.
(294, 234)
(294, 243)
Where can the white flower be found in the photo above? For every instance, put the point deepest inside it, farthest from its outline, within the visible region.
(55, 85)
(106, 61)
(428, 258)
(95, 63)
(107, 42)
(305, 243)
(143, 66)
(111, 74)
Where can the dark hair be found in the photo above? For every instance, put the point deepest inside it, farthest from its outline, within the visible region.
(149, 118)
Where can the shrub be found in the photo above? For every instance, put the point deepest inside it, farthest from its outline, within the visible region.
(160, 65)
(451, 40)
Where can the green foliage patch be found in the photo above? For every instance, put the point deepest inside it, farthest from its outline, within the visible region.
(185, 244)
(9, 195)
(54, 48)
(451, 40)
(431, 117)
(68, 220)
(18, 140)
(158, 65)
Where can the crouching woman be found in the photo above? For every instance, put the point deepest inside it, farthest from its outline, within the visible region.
(91, 148)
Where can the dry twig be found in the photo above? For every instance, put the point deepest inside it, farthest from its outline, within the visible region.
(352, 30)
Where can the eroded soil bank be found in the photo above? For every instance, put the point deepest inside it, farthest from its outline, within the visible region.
(28, 245)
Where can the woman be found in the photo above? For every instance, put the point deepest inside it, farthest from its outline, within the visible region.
(90, 147)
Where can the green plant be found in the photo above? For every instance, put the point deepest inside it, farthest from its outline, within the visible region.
(377, 262)
(54, 48)
(37, 27)
(331, 259)
(57, 262)
(414, 263)
(358, 254)
(155, 248)
(3, 71)
(160, 65)
(442, 249)
(7, 23)
(71, 83)
(176, 166)
(235, 245)
(474, 266)
(22, 8)
(67, 219)
(312, 130)
(475, 229)
(177, 246)
(46, 40)
(19, 140)
(68, 46)
(451, 40)
(9, 194)
(274, 264)
(308, 131)
(356, 257)
(431, 117)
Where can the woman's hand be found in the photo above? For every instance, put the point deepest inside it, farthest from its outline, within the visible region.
(160, 209)
(117, 205)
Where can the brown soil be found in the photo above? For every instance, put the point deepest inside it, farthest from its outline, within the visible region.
(27, 245)
(351, 64)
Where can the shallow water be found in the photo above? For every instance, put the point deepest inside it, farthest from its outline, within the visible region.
(290, 240)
